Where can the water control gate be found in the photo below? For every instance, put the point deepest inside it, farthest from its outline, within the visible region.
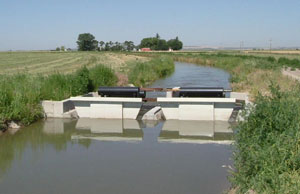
(207, 104)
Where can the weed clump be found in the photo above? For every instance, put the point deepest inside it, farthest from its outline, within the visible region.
(267, 148)
(21, 94)
(294, 63)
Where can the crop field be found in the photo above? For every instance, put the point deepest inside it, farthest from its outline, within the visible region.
(62, 62)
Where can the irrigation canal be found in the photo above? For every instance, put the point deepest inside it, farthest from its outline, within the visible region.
(119, 156)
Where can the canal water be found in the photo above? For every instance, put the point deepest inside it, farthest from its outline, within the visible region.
(121, 156)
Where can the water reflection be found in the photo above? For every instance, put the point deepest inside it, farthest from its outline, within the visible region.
(196, 132)
(109, 130)
(95, 154)
(175, 131)
(58, 132)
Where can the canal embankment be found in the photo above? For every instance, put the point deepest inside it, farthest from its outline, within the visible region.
(250, 74)
(21, 94)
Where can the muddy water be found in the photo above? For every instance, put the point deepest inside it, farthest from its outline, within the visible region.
(117, 156)
(191, 75)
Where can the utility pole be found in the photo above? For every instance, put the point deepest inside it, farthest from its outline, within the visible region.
(241, 45)
(270, 44)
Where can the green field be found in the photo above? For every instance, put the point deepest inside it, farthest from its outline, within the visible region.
(62, 62)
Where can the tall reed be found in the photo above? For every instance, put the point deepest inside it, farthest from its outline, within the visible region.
(21, 94)
(143, 74)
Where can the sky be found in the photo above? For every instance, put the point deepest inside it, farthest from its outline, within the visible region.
(46, 24)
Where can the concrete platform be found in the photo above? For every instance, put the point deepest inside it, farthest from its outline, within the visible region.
(107, 108)
(57, 109)
(202, 109)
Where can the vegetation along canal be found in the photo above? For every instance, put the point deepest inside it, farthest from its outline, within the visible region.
(122, 156)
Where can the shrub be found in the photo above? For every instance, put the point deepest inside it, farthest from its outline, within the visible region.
(289, 62)
(271, 59)
(267, 148)
(19, 99)
(82, 83)
(102, 76)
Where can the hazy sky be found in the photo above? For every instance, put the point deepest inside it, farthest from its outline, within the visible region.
(46, 24)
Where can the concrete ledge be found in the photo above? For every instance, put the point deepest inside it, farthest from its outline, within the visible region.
(189, 100)
(56, 109)
(240, 96)
(106, 99)
(107, 108)
(201, 109)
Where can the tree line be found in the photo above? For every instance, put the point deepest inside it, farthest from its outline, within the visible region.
(156, 43)
(87, 42)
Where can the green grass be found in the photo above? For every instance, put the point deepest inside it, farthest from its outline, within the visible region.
(21, 94)
(267, 148)
(249, 73)
(143, 74)
(63, 62)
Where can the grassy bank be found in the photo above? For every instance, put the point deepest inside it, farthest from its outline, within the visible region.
(143, 74)
(249, 73)
(21, 93)
(267, 148)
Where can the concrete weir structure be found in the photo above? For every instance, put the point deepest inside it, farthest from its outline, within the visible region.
(169, 108)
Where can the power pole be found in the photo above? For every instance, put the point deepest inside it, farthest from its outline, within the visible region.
(270, 44)
(241, 45)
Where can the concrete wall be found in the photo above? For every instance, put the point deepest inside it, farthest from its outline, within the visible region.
(56, 109)
(205, 109)
(107, 108)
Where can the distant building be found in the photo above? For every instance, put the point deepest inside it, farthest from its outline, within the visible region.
(145, 49)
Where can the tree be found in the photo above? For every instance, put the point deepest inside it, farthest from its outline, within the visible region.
(154, 43)
(157, 36)
(101, 43)
(175, 44)
(57, 49)
(128, 45)
(107, 47)
(62, 48)
(162, 45)
(87, 42)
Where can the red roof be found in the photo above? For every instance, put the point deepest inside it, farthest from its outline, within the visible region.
(145, 49)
